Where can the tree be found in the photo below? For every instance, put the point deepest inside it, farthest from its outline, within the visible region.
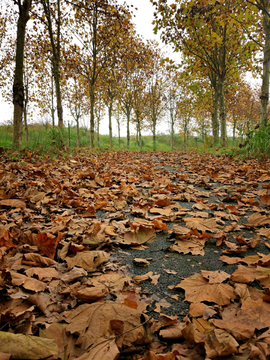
(264, 7)
(18, 86)
(244, 110)
(53, 11)
(206, 32)
(97, 27)
(156, 90)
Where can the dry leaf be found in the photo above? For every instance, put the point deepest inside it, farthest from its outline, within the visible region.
(88, 260)
(27, 347)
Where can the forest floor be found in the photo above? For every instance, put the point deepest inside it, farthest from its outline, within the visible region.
(134, 255)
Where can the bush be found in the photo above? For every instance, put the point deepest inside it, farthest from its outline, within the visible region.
(258, 145)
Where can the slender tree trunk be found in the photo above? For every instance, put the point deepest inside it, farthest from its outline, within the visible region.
(140, 137)
(215, 126)
(185, 135)
(52, 101)
(172, 128)
(266, 67)
(234, 127)
(110, 124)
(77, 116)
(137, 134)
(154, 134)
(26, 96)
(92, 117)
(128, 121)
(98, 139)
(56, 49)
(78, 132)
(222, 114)
(119, 136)
(18, 89)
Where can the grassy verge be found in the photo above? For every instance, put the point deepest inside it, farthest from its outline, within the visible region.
(48, 140)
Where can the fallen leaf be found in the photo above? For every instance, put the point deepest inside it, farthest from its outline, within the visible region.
(88, 260)
(198, 289)
(27, 347)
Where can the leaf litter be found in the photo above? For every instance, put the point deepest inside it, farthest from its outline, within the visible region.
(142, 256)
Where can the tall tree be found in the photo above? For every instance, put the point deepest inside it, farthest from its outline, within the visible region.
(97, 27)
(18, 86)
(52, 10)
(206, 31)
(264, 7)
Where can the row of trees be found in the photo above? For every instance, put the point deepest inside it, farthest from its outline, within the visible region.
(86, 56)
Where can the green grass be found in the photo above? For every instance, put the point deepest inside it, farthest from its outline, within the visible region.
(48, 140)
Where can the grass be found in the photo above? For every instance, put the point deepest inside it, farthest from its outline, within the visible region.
(48, 140)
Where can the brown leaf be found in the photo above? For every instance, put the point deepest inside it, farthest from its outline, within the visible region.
(140, 236)
(27, 347)
(88, 260)
(92, 293)
(215, 277)
(256, 219)
(141, 262)
(265, 199)
(193, 246)
(201, 224)
(13, 203)
(47, 246)
(220, 343)
(33, 259)
(173, 332)
(103, 350)
(241, 332)
(92, 321)
(198, 289)
(43, 274)
(142, 278)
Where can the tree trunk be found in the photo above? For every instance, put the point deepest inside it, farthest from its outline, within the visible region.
(98, 140)
(110, 124)
(222, 114)
(266, 67)
(154, 134)
(128, 121)
(52, 99)
(140, 137)
(56, 48)
(26, 95)
(18, 90)
(119, 135)
(234, 127)
(92, 117)
(77, 118)
(185, 134)
(172, 127)
(215, 126)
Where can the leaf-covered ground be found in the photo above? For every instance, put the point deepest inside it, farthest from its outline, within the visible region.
(143, 256)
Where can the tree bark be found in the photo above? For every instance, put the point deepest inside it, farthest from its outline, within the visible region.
(266, 67)
(154, 133)
(128, 121)
(92, 117)
(110, 124)
(18, 89)
(172, 115)
(26, 98)
(222, 113)
(56, 50)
